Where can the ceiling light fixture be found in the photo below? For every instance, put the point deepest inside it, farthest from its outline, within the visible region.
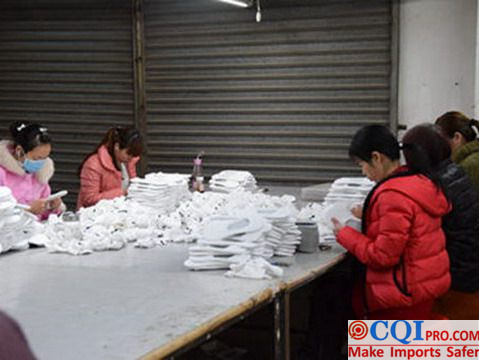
(258, 11)
(246, 4)
(242, 3)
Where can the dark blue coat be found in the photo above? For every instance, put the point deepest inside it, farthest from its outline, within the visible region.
(461, 227)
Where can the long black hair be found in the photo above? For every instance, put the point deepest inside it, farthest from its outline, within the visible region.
(419, 160)
(430, 143)
(425, 148)
(374, 138)
(28, 135)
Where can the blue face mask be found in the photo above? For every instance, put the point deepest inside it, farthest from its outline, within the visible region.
(32, 166)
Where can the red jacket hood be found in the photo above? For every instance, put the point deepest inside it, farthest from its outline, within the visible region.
(421, 190)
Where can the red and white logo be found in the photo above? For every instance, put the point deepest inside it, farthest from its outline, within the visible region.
(358, 330)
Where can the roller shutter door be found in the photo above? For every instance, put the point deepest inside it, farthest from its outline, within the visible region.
(281, 98)
(68, 65)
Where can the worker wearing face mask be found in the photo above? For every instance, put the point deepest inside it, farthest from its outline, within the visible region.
(25, 168)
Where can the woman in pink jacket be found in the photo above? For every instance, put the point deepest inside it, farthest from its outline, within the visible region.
(105, 173)
(401, 246)
(25, 168)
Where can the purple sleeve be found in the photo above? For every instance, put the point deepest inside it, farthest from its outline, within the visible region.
(13, 344)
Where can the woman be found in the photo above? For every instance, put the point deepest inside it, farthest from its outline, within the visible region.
(461, 225)
(402, 245)
(26, 168)
(105, 173)
(462, 133)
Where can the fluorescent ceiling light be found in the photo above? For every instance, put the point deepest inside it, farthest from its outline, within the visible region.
(242, 3)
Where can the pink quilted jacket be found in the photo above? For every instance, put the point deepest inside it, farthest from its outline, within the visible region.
(99, 178)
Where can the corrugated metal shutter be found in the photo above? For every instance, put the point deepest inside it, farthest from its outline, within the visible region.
(68, 65)
(281, 98)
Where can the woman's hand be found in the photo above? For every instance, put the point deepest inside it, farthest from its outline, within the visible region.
(54, 204)
(357, 211)
(38, 207)
(337, 226)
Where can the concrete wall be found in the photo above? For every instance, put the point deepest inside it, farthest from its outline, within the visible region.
(437, 59)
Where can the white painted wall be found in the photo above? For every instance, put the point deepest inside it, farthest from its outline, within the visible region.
(437, 59)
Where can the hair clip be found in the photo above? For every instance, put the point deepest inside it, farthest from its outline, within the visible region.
(474, 127)
(133, 136)
(21, 127)
(43, 130)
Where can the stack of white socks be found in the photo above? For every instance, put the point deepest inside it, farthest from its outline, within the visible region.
(343, 194)
(349, 189)
(227, 240)
(280, 212)
(17, 226)
(161, 191)
(228, 181)
(284, 236)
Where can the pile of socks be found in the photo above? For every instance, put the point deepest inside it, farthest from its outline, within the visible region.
(248, 229)
(109, 225)
(228, 181)
(17, 226)
(343, 194)
(161, 191)
(227, 240)
(185, 223)
(112, 224)
(284, 236)
(349, 189)
(279, 211)
(254, 268)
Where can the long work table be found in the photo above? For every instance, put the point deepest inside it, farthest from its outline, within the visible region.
(135, 303)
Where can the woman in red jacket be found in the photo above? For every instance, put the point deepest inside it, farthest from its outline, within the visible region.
(402, 245)
(105, 173)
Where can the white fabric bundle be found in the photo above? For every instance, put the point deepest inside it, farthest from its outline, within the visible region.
(284, 236)
(228, 181)
(250, 227)
(343, 194)
(280, 212)
(161, 191)
(109, 225)
(254, 268)
(349, 189)
(229, 239)
(17, 226)
(146, 218)
(186, 222)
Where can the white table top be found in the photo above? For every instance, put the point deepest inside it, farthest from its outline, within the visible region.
(121, 305)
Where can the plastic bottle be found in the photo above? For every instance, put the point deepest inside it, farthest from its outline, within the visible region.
(197, 176)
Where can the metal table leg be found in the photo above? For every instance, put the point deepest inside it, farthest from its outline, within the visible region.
(281, 326)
